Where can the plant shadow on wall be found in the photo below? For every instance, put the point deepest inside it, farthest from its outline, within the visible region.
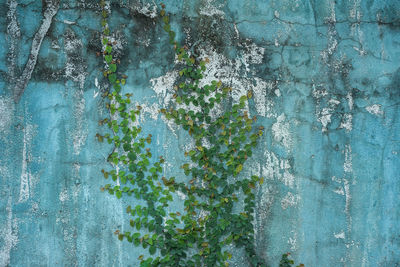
(219, 202)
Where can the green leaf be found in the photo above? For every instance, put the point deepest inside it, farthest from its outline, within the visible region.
(108, 49)
(166, 19)
(152, 250)
(113, 67)
(108, 58)
(115, 128)
(239, 168)
(112, 78)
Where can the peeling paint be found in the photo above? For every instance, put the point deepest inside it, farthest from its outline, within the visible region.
(289, 200)
(6, 114)
(347, 122)
(281, 132)
(348, 166)
(329, 110)
(340, 235)
(210, 8)
(375, 109)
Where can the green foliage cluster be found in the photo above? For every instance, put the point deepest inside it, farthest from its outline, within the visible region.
(219, 202)
(286, 262)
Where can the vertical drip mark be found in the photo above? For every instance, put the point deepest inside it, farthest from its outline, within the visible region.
(26, 176)
(8, 235)
(24, 186)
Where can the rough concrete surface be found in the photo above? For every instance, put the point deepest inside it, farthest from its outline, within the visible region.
(326, 81)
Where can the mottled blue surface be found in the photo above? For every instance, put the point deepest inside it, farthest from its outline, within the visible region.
(326, 81)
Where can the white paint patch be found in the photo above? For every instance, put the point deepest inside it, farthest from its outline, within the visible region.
(163, 87)
(147, 9)
(339, 191)
(275, 168)
(281, 132)
(152, 111)
(337, 180)
(289, 200)
(96, 84)
(236, 30)
(324, 115)
(80, 132)
(260, 90)
(348, 202)
(71, 46)
(26, 177)
(75, 71)
(210, 8)
(375, 109)
(332, 45)
(63, 196)
(148, 110)
(8, 235)
(292, 241)
(271, 166)
(350, 100)
(235, 73)
(332, 17)
(69, 22)
(348, 165)
(356, 29)
(6, 114)
(347, 122)
(181, 195)
(340, 235)
(319, 93)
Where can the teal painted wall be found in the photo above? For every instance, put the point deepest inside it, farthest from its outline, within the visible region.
(326, 82)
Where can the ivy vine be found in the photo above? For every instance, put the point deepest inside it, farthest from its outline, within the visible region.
(219, 202)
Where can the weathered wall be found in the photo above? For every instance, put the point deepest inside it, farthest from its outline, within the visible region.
(326, 80)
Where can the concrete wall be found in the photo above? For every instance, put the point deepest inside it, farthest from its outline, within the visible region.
(326, 80)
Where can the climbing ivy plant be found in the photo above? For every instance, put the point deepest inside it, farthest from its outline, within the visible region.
(219, 200)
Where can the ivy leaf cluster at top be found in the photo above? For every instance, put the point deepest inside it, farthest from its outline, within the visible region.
(219, 202)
